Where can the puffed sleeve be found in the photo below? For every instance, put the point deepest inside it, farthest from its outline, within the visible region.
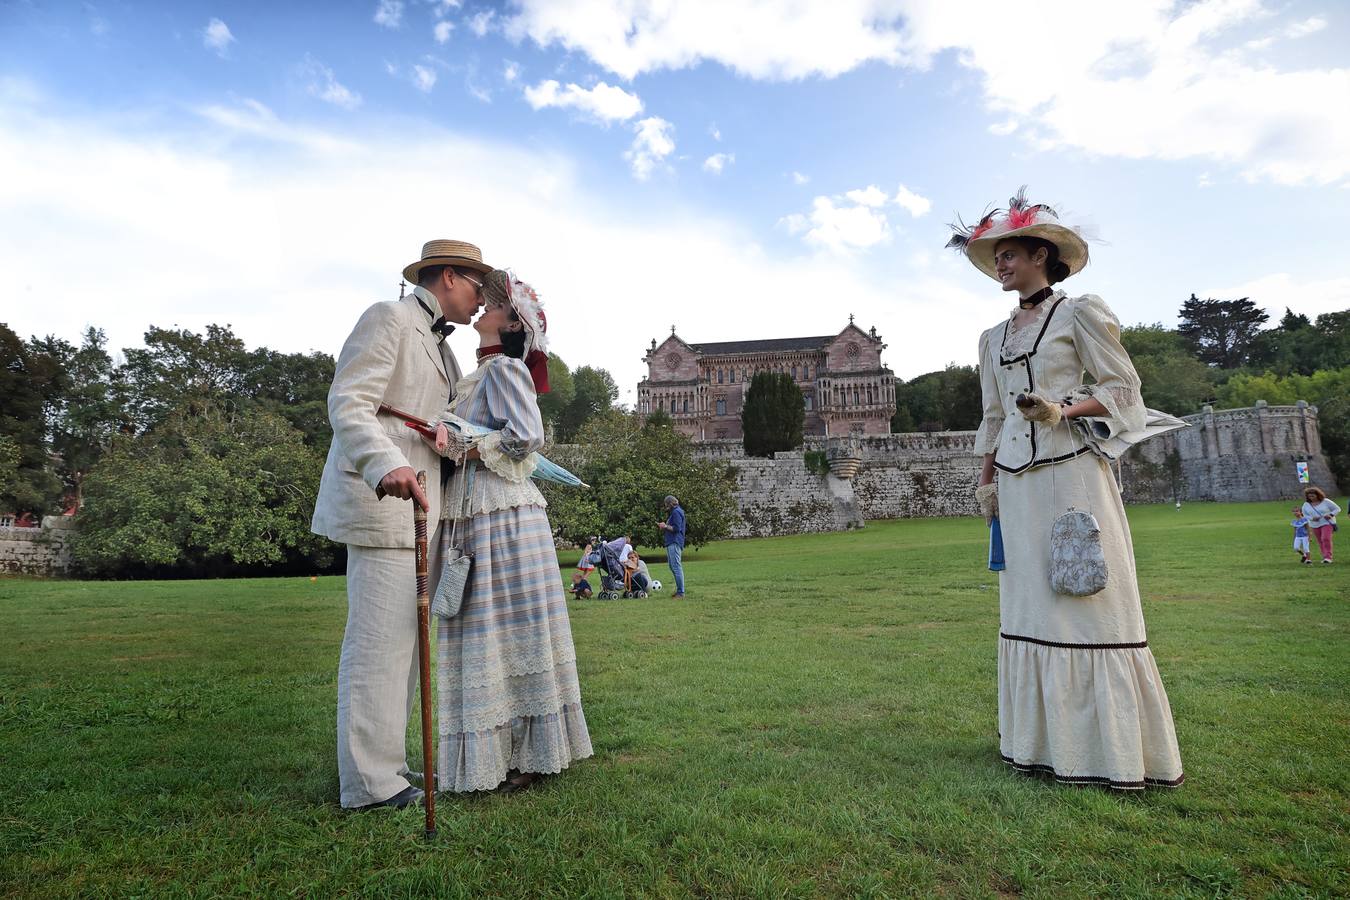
(986, 439)
(1096, 338)
(509, 451)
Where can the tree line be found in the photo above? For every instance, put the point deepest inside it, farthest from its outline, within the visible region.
(192, 455)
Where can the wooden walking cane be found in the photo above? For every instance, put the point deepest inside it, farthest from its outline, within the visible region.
(424, 660)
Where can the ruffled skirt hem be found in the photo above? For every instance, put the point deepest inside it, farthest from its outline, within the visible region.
(543, 744)
(1086, 715)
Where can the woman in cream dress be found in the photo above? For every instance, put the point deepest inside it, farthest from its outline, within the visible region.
(1079, 694)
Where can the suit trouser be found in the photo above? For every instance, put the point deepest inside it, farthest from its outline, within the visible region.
(377, 674)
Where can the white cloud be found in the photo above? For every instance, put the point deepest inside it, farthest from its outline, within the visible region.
(255, 192)
(799, 179)
(424, 78)
(911, 202)
(1275, 292)
(1149, 79)
(651, 146)
(1204, 180)
(442, 30)
(389, 13)
(1004, 128)
(481, 23)
(761, 40)
(510, 72)
(1308, 26)
(715, 132)
(840, 229)
(216, 36)
(868, 196)
(477, 91)
(602, 102)
(322, 83)
(717, 162)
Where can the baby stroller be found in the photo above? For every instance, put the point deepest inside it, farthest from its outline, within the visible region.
(614, 577)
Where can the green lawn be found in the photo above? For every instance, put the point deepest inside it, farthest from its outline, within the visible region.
(818, 718)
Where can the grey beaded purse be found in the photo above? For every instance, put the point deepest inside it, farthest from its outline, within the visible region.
(1077, 563)
(458, 565)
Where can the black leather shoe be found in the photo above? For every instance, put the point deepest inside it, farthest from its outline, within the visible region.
(409, 796)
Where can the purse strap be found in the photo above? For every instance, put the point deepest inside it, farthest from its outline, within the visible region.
(1054, 497)
(466, 491)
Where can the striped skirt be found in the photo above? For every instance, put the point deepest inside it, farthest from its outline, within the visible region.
(506, 669)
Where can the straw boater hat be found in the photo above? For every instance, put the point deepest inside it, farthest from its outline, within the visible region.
(447, 253)
(1020, 219)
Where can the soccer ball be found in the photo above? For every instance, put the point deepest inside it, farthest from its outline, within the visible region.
(656, 585)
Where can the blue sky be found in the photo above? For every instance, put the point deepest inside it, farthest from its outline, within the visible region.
(740, 170)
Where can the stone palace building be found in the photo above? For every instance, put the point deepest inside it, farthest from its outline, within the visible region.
(844, 385)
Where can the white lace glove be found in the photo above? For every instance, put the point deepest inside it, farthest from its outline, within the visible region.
(1036, 408)
(986, 497)
(450, 443)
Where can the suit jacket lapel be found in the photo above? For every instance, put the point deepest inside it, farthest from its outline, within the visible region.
(431, 345)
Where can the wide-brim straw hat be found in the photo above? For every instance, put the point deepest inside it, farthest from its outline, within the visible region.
(1021, 219)
(447, 253)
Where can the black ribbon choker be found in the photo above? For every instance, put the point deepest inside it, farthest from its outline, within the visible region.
(1036, 299)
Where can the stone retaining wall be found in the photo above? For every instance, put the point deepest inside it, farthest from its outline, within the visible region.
(37, 551)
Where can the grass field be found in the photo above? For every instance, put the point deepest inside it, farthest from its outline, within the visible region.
(817, 718)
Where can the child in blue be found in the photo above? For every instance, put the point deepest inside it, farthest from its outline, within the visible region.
(1300, 524)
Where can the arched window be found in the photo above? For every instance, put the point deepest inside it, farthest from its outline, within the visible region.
(794, 373)
(721, 407)
(686, 404)
(719, 376)
(806, 400)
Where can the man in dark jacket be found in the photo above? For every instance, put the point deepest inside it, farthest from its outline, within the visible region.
(672, 535)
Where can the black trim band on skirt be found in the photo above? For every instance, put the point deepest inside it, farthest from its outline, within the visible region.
(1031, 640)
(1042, 768)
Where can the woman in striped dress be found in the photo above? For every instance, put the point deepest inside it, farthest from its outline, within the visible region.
(509, 700)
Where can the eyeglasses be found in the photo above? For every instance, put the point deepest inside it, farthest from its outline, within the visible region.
(478, 285)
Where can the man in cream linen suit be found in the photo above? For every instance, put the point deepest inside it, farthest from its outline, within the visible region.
(395, 355)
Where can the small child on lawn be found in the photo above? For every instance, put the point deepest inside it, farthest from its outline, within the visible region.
(1300, 524)
(581, 588)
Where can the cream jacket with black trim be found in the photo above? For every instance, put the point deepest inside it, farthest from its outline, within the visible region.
(1076, 335)
(393, 357)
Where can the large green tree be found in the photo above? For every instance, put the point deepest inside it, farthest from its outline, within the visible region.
(1220, 332)
(89, 408)
(1173, 380)
(179, 369)
(554, 404)
(594, 392)
(631, 466)
(1298, 346)
(773, 414)
(946, 400)
(291, 385)
(207, 492)
(29, 378)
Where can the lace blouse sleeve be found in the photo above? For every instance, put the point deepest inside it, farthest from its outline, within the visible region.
(986, 439)
(1096, 337)
(509, 451)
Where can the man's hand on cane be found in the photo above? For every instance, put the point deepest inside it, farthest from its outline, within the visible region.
(402, 483)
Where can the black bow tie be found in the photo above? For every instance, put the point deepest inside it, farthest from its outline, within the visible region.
(439, 326)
